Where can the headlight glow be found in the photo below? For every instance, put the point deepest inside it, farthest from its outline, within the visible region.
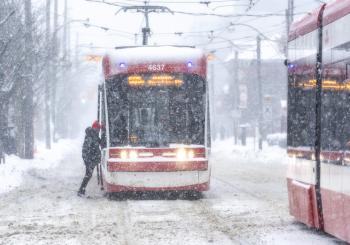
(181, 154)
(190, 154)
(133, 155)
(124, 155)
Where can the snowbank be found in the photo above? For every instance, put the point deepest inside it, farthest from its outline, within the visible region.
(250, 153)
(277, 139)
(11, 172)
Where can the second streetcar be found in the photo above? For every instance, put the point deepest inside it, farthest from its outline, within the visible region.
(319, 119)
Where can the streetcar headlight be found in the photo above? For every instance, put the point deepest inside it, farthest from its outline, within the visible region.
(190, 154)
(181, 154)
(133, 155)
(124, 155)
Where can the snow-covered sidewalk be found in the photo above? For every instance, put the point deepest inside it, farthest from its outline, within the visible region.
(12, 171)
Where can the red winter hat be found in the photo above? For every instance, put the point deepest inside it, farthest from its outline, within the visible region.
(96, 125)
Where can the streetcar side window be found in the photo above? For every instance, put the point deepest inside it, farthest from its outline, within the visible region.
(335, 124)
(103, 118)
(301, 96)
(301, 112)
(347, 71)
(118, 116)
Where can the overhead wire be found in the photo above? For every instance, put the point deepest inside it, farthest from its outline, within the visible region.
(187, 2)
(118, 4)
(239, 16)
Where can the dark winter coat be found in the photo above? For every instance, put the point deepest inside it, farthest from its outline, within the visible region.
(91, 152)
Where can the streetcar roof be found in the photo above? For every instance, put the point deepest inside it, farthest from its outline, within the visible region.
(141, 54)
(306, 24)
(333, 11)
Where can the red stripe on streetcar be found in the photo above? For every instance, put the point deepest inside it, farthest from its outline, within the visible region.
(115, 152)
(168, 68)
(325, 155)
(302, 202)
(106, 64)
(199, 68)
(336, 211)
(157, 166)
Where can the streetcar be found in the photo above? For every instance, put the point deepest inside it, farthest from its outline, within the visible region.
(154, 106)
(318, 176)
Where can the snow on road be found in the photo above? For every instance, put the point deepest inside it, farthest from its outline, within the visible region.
(247, 204)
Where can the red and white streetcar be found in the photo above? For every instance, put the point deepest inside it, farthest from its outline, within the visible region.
(319, 119)
(154, 105)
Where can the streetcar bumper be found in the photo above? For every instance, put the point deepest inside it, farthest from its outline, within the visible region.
(156, 181)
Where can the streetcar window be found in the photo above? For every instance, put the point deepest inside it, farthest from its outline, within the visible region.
(335, 108)
(301, 114)
(156, 116)
(145, 115)
(301, 99)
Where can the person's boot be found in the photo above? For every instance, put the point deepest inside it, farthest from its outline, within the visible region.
(81, 192)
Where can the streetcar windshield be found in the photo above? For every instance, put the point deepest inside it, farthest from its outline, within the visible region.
(156, 110)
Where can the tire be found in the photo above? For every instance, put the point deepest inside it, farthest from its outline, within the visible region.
(192, 195)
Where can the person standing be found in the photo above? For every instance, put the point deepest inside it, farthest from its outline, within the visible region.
(91, 153)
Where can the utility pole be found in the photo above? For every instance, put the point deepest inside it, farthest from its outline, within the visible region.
(287, 24)
(135, 35)
(65, 32)
(146, 10)
(289, 15)
(291, 11)
(76, 58)
(54, 68)
(259, 81)
(60, 114)
(146, 31)
(235, 98)
(28, 104)
(212, 100)
(69, 42)
(48, 76)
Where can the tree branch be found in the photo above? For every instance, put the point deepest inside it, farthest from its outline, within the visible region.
(7, 18)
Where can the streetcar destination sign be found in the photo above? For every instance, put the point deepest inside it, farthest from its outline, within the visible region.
(154, 81)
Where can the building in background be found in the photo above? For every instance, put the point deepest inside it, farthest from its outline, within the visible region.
(245, 114)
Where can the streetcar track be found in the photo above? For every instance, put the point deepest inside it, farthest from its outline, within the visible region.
(126, 224)
(242, 190)
(236, 188)
(216, 219)
(236, 222)
(216, 223)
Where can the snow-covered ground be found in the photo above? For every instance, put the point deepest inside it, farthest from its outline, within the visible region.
(247, 204)
(12, 172)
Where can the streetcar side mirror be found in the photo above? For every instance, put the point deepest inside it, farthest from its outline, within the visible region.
(286, 62)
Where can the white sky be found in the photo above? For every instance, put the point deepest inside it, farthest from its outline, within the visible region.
(104, 15)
